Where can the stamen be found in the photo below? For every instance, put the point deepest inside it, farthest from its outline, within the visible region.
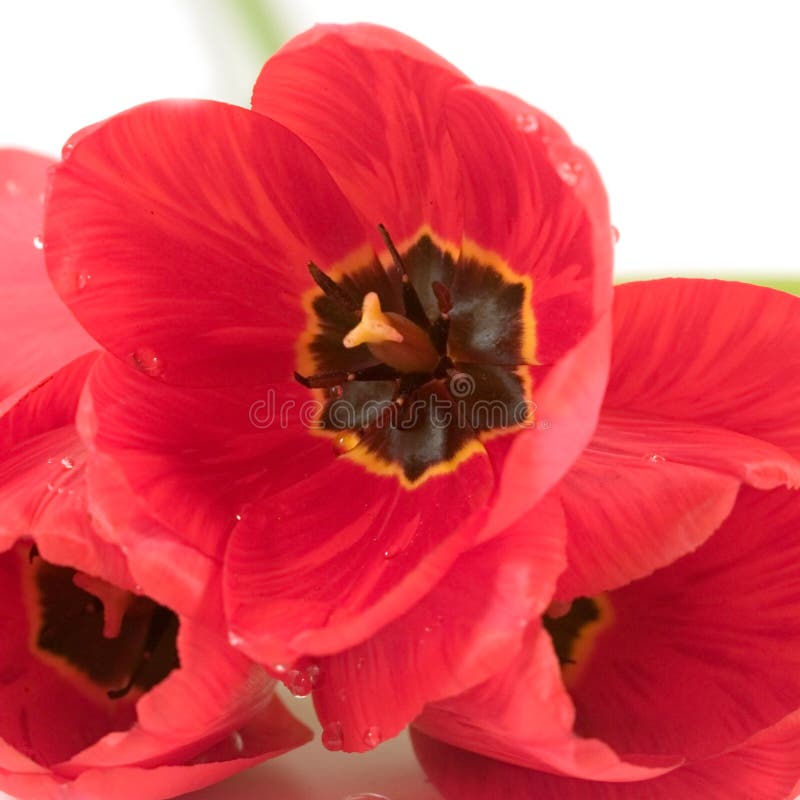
(327, 380)
(332, 289)
(413, 305)
(162, 627)
(443, 298)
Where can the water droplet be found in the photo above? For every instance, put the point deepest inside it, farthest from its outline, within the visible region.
(391, 553)
(67, 463)
(38, 242)
(83, 280)
(66, 150)
(527, 122)
(234, 639)
(238, 517)
(314, 673)
(570, 172)
(237, 741)
(278, 669)
(360, 663)
(615, 233)
(366, 796)
(12, 188)
(345, 442)
(146, 361)
(372, 736)
(332, 738)
(298, 682)
(336, 391)
(655, 458)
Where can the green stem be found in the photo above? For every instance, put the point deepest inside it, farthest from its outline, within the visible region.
(257, 18)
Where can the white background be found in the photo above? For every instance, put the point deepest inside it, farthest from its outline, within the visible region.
(690, 109)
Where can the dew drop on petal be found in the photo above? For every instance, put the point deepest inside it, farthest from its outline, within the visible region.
(38, 242)
(67, 463)
(146, 361)
(360, 663)
(237, 742)
(83, 280)
(366, 796)
(12, 188)
(615, 233)
(332, 738)
(66, 150)
(570, 172)
(234, 639)
(298, 682)
(345, 442)
(655, 458)
(372, 736)
(314, 673)
(527, 122)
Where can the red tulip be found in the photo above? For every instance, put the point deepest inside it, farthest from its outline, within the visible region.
(459, 250)
(669, 664)
(105, 691)
(39, 334)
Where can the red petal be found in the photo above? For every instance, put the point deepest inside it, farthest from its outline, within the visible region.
(721, 353)
(321, 566)
(369, 102)
(460, 634)
(704, 653)
(152, 550)
(196, 221)
(524, 716)
(765, 768)
(270, 733)
(542, 221)
(39, 333)
(647, 491)
(195, 456)
(567, 400)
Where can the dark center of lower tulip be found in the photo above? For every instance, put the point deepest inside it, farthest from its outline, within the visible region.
(566, 623)
(574, 627)
(77, 653)
(417, 364)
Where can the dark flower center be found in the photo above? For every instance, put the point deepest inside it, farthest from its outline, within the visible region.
(77, 655)
(416, 364)
(566, 628)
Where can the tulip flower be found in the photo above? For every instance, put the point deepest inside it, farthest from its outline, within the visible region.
(668, 665)
(350, 335)
(105, 691)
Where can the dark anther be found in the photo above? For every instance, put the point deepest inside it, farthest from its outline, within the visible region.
(413, 305)
(332, 289)
(443, 298)
(327, 380)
